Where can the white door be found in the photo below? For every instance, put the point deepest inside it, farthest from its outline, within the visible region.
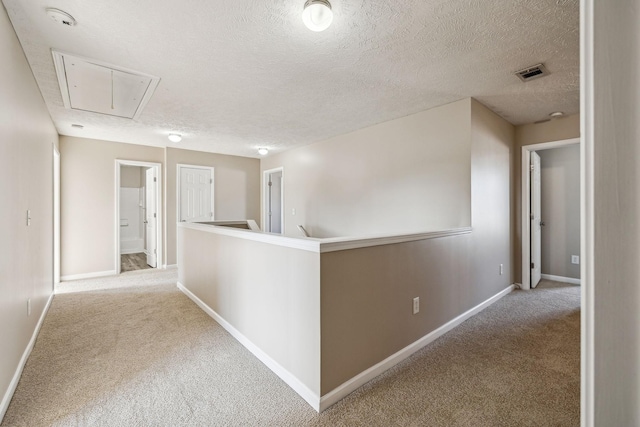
(196, 188)
(151, 215)
(274, 200)
(536, 221)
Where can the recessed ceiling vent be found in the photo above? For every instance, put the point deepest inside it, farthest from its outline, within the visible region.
(98, 87)
(532, 72)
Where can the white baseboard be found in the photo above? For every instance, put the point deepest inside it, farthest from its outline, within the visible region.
(88, 275)
(170, 266)
(291, 380)
(27, 352)
(320, 404)
(131, 251)
(561, 279)
(362, 378)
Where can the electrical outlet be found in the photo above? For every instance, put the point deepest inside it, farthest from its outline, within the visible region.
(293, 211)
(501, 269)
(416, 305)
(575, 259)
(29, 307)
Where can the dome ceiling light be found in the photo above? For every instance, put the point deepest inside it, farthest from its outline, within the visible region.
(317, 15)
(175, 137)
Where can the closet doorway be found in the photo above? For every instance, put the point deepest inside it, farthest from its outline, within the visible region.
(138, 220)
(550, 212)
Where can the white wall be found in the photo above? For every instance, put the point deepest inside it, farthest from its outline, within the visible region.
(26, 180)
(611, 128)
(560, 187)
(132, 198)
(406, 175)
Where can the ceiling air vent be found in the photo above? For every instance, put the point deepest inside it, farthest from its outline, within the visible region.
(98, 87)
(532, 72)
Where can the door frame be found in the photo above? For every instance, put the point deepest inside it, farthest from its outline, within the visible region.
(213, 185)
(56, 217)
(526, 202)
(265, 200)
(159, 204)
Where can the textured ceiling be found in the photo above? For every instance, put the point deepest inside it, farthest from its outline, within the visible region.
(240, 74)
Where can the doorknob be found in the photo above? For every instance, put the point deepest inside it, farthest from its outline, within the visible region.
(541, 223)
(146, 222)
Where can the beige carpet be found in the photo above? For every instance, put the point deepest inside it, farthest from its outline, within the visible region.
(147, 356)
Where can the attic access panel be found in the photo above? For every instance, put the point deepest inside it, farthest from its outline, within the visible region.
(98, 87)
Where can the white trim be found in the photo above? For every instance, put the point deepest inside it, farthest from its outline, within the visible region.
(526, 204)
(562, 279)
(159, 209)
(346, 243)
(88, 275)
(264, 197)
(170, 266)
(322, 245)
(311, 245)
(213, 183)
(587, 214)
(291, 380)
(132, 251)
(320, 404)
(362, 378)
(25, 356)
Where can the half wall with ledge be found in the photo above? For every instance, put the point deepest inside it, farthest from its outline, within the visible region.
(328, 315)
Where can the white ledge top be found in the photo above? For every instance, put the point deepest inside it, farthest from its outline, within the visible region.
(332, 244)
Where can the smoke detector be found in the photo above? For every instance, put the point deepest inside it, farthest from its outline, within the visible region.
(533, 72)
(61, 17)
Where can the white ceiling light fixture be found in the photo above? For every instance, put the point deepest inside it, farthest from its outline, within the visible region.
(317, 15)
(556, 114)
(61, 17)
(263, 151)
(175, 137)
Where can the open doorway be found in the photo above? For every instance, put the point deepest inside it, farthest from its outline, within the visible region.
(550, 212)
(138, 216)
(273, 204)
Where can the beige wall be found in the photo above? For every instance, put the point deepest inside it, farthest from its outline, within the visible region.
(492, 163)
(88, 200)
(616, 210)
(236, 188)
(88, 196)
(269, 293)
(560, 171)
(367, 293)
(553, 130)
(406, 175)
(26, 172)
(131, 176)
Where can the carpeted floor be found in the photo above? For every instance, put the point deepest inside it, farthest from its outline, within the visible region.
(140, 353)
